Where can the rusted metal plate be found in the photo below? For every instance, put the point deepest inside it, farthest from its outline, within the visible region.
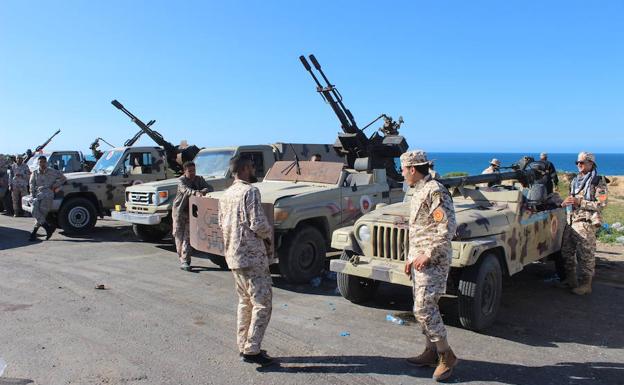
(206, 235)
(315, 172)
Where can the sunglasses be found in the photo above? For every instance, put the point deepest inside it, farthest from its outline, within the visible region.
(582, 162)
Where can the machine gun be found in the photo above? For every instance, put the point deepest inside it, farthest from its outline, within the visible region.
(94, 147)
(376, 151)
(527, 171)
(29, 153)
(176, 155)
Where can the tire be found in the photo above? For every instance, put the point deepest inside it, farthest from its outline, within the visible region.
(77, 216)
(480, 289)
(355, 289)
(151, 233)
(302, 256)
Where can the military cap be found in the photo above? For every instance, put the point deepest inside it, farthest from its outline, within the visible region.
(495, 162)
(414, 158)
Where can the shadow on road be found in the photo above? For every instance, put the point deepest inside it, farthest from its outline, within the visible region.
(11, 238)
(101, 234)
(466, 371)
(14, 381)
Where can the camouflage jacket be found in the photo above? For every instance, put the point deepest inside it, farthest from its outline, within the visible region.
(19, 175)
(186, 188)
(244, 226)
(589, 209)
(46, 181)
(431, 226)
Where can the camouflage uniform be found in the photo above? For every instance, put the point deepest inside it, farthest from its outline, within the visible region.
(42, 186)
(180, 214)
(431, 228)
(579, 236)
(245, 229)
(19, 185)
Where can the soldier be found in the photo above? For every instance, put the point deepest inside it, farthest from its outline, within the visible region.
(188, 184)
(247, 235)
(588, 196)
(44, 181)
(20, 174)
(431, 228)
(493, 167)
(553, 181)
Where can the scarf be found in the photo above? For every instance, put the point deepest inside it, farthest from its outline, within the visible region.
(580, 183)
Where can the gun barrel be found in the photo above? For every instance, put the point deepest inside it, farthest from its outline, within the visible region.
(497, 178)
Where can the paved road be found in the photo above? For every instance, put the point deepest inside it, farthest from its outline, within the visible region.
(155, 324)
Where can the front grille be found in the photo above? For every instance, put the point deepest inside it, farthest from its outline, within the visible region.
(141, 198)
(390, 242)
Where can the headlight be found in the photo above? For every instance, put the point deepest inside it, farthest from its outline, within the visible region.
(280, 215)
(161, 197)
(364, 233)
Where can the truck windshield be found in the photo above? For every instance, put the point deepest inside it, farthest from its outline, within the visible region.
(108, 161)
(213, 164)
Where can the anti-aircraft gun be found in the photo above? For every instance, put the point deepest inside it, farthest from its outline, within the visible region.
(176, 155)
(94, 147)
(29, 153)
(377, 151)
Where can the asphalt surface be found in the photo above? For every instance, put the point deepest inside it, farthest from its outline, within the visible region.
(155, 324)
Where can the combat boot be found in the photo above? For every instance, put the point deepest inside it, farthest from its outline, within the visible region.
(33, 234)
(570, 282)
(49, 230)
(445, 366)
(427, 358)
(584, 288)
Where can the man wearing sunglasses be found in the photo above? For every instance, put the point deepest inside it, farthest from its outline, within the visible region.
(587, 198)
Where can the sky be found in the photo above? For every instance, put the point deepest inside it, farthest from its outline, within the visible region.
(478, 76)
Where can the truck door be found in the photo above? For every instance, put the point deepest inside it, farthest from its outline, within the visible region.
(136, 167)
(359, 195)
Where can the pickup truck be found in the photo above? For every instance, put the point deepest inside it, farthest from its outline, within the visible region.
(65, 161)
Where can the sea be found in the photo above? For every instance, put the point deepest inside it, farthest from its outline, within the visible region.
(475, 163)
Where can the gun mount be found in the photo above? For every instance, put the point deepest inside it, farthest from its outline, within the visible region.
(176, 155)
(29, 153)
(376, 151)
(94, 147)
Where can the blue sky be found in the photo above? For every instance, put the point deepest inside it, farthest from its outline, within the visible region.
(484, 76)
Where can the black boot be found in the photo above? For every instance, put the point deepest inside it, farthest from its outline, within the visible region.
(33, 234)
(49, 230)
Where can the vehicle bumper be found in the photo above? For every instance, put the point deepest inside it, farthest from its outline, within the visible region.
(372, 269)
(141, 219)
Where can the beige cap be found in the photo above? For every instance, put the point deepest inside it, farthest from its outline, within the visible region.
(543, 154)
(586, 156)
(414, 158)
(495, 162)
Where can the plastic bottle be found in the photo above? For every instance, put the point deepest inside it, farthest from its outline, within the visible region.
(393, 319)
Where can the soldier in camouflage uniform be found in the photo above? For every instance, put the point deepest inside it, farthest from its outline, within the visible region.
(20, 174)
(431, 228)
(246, 234)
(44, 181)
(188, 184)
(588, 196)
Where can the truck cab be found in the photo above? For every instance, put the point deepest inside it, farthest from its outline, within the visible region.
(64, 161)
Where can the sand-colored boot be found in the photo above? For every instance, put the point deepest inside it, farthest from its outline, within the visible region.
(584, 288)
(445, 366)
(570, 282)
(427, 358)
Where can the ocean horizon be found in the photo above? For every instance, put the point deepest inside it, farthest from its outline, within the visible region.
(475, 162)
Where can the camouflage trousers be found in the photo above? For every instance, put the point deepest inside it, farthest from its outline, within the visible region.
(182, 236)
(255, 303)
(578, 249)
(42, 203)
(427, 293)
(17, 193)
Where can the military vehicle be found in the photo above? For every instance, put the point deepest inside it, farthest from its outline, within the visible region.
(87, 195)
(65, 161)
(309, 200)
(500, 229)
(148, 205)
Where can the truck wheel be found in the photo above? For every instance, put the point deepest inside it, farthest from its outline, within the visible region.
(302, 256)
(151, 233)
(355, 289)
(480, 288)
(77, 216)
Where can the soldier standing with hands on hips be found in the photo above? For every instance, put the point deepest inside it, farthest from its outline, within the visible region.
(18, 184)
(431, 228)
(188, 184)
(588, 196)
(247, 234)
(44, 182)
